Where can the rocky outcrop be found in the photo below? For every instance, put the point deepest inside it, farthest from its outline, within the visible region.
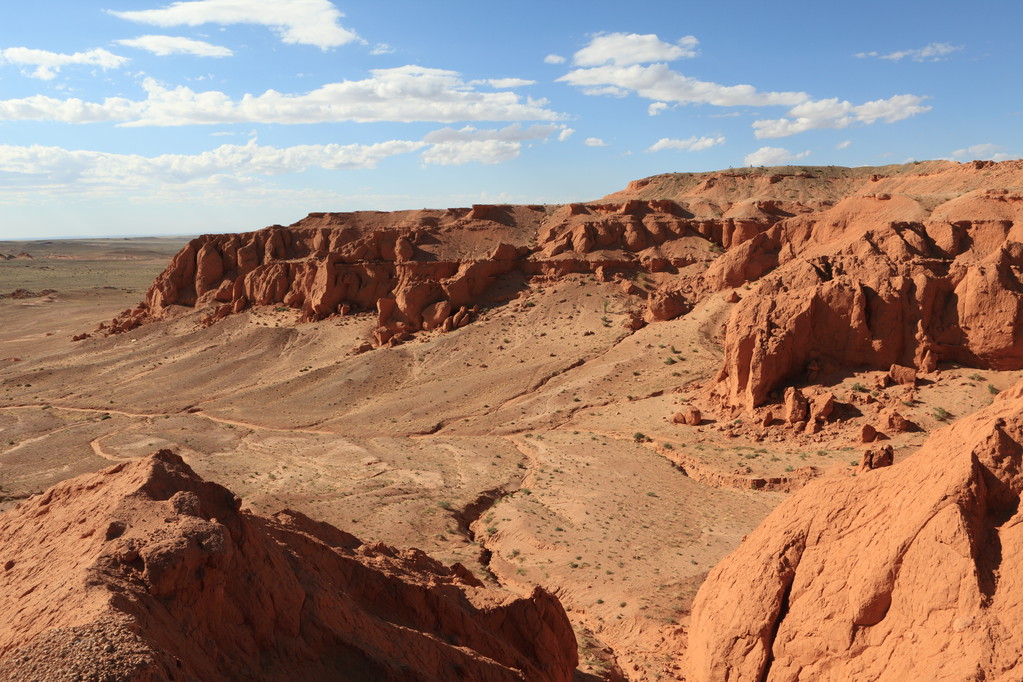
(425, 270)
(906, 265)
(903, 572)
(876, 282)
(146, 572)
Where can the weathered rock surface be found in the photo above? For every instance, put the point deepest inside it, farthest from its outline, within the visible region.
(905, 572)
(908, 265)
(917, 274)
(423, 270)
(146, 572)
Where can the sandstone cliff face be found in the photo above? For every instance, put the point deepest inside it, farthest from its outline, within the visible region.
(146, 572)
(427, 270)
(911, 265)
(905, 572)
(850, 292)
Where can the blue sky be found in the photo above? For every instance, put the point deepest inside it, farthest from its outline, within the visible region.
(128, 117)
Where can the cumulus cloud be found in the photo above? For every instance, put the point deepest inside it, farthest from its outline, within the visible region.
(934, 52)
(84, 172)
(656, 108)
(983, 152)
(450, 147)
(168, 45)
(48, 64)
(405, 94)
(504, 83)
(471, 151)
(690, 144)
(305, 22)
(554, 59)
(617, 65)
(836, 114)
(565, 134)
(844, 144)
(661, 84)
(624, 49)
(133, 170)
(382, 48)
(594, 142)
(773, 156)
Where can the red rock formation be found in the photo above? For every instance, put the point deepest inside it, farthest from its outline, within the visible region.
(690, 417)
(145, 572)
(419, 270)
(857, 267)
(905, 376)
(909, 572)
(879, 279)
(875, 458)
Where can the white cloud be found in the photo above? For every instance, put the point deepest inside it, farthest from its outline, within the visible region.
(933, 52)
(624, 49)
(594, 142)
(565, 134)
(450, 147)
(236, 167)
(305, 22)
(661, 84)
(382, 48)
(692, 144)
(836, 114)
(55, 170)
(407, 93)
(471, 151)
(844, 144)
(985, 151)
(513, 133)
(656, 108)
(554, 59)
(133, 170)
(613, 65)
(773, 156)
(167, 45)
(48, 64)
(503, 83)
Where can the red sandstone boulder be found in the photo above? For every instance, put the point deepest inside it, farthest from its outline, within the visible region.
(867, 433)
(797, 408)
(906, 376)
(875, 458)
(690, 416)
(896, 423)
(822, 406)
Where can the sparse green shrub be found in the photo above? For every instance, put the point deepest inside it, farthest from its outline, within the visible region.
(941, 414)
(992, 390)
(859, 388)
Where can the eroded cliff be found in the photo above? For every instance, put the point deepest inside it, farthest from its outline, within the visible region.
(837, 268)
(146, 572)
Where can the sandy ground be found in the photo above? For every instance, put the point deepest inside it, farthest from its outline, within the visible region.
(535, 445)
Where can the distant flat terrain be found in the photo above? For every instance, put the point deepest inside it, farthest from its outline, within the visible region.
(82, 264)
